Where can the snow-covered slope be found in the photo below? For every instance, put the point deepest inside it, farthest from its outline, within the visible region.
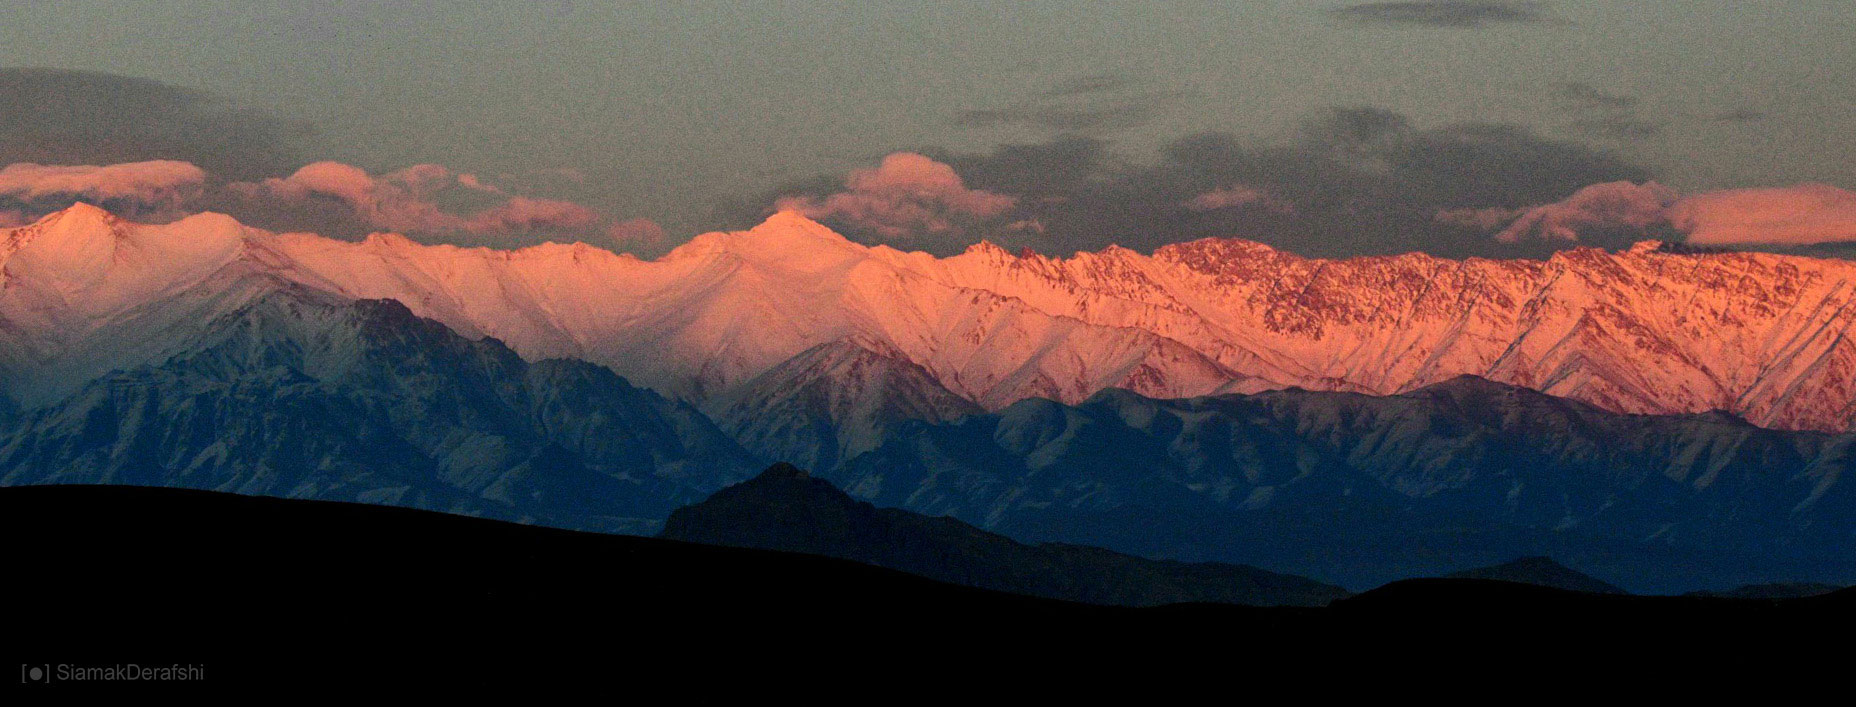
(83, 293)
(833, 402)
(1360, 489)
(1652, 329)
(304, 395)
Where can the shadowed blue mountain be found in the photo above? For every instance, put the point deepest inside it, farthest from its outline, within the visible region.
(302, 396)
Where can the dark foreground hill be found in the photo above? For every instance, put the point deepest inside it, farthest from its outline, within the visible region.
(787, 509)
(301, 594)
(1774, 590)
(1543, 572)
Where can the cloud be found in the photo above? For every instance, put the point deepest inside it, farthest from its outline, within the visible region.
(472, 181)
(1443, 13)
(1491, 164)
(1612, 206)
(909, 196)
(133, 188)
(1797, 215)
(1484, 219)
(51, 116)
(1064, 119)
(1361, 179)
(1093, 104)
(636, 234)
(1599, 113)
(523, 213)
(1804, 214)
(405, 200)
(1237, 195)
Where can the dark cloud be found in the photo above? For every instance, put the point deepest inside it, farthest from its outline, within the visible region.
(1616, 129)
(1350, 181)
(1063, 119)
(53, 116)
(1085, 105)
(1061, 166)
(1593, 111)
(1444, 13)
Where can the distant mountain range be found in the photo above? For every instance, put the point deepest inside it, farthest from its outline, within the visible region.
(1359, 490)
(300, 396)
(206, 354)
(786, 509)
(1649, 330)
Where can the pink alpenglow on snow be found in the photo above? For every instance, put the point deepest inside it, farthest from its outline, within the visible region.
(1647, 329)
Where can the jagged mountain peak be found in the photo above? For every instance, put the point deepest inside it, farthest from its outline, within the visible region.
(79, 215)
(833, 401)
(792, 221)
(79, 228)
(1765, 337)
(787, 236)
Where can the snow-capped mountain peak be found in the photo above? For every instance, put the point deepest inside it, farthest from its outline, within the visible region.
(787, 240)
(1649, 329)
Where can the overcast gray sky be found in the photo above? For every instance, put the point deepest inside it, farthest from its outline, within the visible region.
(695, 114)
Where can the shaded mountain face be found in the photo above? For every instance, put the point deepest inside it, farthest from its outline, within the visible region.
(1540, 572)
(786, 509)
(1650, 330)
(833, 402)
(1360, 490)
(306, 396)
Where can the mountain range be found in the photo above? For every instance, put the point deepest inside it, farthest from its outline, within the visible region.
(787, 509)
(300, 395)
(1672, 420)
(1655, 329)
(1358, 490)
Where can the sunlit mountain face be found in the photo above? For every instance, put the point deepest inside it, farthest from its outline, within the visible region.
(1651, 329)
(1356, 421)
